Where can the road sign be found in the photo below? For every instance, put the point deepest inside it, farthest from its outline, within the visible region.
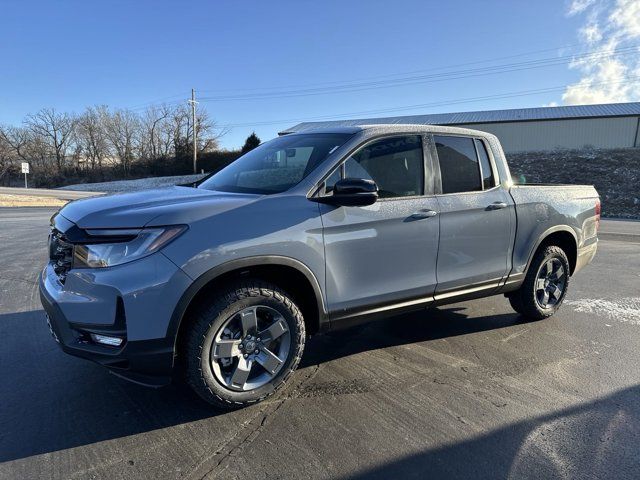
(25, 170)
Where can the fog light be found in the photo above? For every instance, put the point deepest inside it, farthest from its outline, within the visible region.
(106, 340)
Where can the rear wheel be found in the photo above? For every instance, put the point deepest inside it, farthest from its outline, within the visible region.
(243, 346)
(544, 286)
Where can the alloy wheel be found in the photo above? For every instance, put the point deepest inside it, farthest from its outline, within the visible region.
(550, 283)
(250, 348)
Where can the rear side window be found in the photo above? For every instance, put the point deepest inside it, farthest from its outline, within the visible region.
(487, 173)
(459, 166)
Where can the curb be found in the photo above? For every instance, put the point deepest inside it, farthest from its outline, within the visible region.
(620, 237)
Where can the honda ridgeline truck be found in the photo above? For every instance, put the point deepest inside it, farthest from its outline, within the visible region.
(222, 282)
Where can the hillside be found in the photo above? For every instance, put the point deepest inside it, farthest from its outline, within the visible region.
(614, 173)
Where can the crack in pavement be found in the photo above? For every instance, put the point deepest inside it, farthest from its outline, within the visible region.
(238, 441)
(17, 279)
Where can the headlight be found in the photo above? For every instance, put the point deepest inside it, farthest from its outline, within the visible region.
(115, 247)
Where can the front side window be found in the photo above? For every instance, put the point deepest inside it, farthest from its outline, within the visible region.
(396, 164)
(459, 167)
(277, 165)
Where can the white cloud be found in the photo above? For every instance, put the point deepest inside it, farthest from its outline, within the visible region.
(626, 18)
(579, 6)
(605, 85)
(612, 73)
(591, 33)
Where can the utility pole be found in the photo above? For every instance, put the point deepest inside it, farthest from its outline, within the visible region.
(195, 135)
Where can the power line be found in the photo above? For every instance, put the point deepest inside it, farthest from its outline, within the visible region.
(425, 105)
(455, 75)
(330, 87)
(431, 69)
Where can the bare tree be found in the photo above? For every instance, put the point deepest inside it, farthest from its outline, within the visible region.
(182, 130)
(7, 153)
(121, 129)
(91, 136)
(156, 128)
(52, 141)
(55, 129)
(208, 132)
(17, 139)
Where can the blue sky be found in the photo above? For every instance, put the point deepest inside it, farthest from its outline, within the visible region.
(69, 55)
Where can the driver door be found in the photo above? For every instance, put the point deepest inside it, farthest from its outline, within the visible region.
(384, 255)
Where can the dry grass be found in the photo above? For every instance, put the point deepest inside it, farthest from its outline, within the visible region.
(29, 201)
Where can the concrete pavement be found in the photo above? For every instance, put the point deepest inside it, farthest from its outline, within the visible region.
(469, 390)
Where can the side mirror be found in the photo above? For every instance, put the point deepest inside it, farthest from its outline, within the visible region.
(352, 192)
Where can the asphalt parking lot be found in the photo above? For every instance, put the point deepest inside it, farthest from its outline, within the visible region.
(469, 390)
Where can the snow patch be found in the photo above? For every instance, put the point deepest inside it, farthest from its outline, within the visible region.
(134, 185)
(625, 310)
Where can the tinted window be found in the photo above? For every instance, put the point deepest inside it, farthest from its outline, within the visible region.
(458, 164)
(396, 165)
(487, 173)
(277, 165)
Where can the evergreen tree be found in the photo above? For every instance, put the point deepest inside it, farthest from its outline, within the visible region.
(250, 143)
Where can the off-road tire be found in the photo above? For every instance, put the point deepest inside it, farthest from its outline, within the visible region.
(524, 299)
(205, 324)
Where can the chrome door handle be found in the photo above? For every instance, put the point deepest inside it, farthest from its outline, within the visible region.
(424, 213)
(497, 206)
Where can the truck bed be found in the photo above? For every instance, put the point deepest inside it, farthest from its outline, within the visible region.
(542, 208)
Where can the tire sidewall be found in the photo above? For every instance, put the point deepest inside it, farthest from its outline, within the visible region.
(293, 319)
(546, 255)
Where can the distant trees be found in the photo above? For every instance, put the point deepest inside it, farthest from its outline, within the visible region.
(59, 144)
(91, 137)
(250, 143)
(6, 156)
(53, 131)
(121, 129)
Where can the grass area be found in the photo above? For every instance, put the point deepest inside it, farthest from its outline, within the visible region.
(29, 201)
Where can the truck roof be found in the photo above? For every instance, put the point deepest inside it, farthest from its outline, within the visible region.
(384, 128)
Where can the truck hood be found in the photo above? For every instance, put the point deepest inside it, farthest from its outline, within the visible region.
(163, 206)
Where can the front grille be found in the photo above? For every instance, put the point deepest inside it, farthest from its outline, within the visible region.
(60, 253)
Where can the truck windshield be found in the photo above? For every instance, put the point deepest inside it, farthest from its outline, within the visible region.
(277, 165)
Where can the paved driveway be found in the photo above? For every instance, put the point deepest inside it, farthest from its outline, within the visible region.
(467, 390)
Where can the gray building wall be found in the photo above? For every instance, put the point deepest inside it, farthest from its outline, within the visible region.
(612, 132)
(608, 125)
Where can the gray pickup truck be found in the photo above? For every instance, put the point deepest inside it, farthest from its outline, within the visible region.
(223, 281)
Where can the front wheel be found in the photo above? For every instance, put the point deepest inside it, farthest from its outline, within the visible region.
(544, 286)
(243, 345)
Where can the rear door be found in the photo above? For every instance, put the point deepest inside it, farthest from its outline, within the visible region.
(383, 254)
(476, 217)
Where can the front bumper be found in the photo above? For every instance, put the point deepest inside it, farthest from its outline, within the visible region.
(132, 301)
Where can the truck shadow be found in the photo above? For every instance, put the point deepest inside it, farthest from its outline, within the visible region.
(51, 401)
(597, 439)
(421, 326)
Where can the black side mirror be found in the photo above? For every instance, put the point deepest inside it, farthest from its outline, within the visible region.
(352, 192)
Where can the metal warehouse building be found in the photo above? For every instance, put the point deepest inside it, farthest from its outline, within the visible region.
(614, 125)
